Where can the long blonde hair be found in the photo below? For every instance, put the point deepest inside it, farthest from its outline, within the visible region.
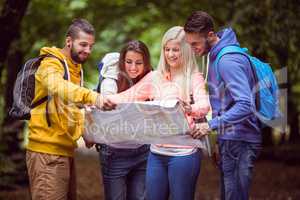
(189, 63)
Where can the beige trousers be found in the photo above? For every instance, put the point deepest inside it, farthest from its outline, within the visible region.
(51, 177)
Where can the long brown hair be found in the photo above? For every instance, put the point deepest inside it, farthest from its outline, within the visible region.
(124, 81)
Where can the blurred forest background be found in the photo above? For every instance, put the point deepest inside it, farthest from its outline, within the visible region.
(270, 29)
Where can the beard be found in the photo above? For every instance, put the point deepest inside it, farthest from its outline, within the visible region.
(207, 47)
(75, 56)
(205, 50)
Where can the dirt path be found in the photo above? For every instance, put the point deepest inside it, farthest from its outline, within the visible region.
(272, 180)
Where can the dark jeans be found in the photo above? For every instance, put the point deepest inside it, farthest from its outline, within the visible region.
(237, 161)
(123, 172)
(174, 176)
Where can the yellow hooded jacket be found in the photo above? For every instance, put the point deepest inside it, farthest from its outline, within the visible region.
(65, 116)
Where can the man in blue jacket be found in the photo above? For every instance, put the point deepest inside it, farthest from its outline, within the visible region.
(230, 85)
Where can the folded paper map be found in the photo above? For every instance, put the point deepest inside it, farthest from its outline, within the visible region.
(150, 122)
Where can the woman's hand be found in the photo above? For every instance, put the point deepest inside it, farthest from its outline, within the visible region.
(187, 108)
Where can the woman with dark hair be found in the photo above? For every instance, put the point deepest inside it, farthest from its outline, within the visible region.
(129, 73)
(123, 165)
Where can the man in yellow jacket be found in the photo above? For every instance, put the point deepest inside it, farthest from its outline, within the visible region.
(51, 146)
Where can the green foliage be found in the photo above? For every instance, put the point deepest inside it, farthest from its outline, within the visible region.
(152, 38)
(78, 4)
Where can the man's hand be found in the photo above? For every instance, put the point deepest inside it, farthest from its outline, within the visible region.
(200, 130)
(104, 103)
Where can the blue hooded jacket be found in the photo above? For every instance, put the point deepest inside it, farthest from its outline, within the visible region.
(230, 91)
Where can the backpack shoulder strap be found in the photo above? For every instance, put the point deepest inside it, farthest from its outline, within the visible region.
(47, 98)
(100, 79)
(232, 49)
(66, 69)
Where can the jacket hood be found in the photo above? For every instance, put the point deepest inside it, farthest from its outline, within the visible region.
(227, 38)
(53, 51)
(73, 68)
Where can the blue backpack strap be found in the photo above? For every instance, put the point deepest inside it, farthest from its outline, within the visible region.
(232, 49)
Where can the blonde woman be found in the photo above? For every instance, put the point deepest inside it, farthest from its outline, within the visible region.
(172, 170)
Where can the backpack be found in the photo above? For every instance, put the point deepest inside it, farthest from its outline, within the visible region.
(266, 91)
(100, 77)
(24, 89)
(108, 68)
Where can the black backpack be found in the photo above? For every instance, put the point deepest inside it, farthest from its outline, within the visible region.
(24, 89)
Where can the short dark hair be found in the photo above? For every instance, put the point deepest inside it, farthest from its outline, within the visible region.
(199, 22)
(141, 48)
(80, 25)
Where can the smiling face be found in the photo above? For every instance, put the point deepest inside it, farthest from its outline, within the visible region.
(81, 47)
(134, 64)
(199, 44)
(172, 52)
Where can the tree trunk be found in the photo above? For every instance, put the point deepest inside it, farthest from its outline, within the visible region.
(10, 20)
(12, 157)
(293, 118)
(12, 152)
